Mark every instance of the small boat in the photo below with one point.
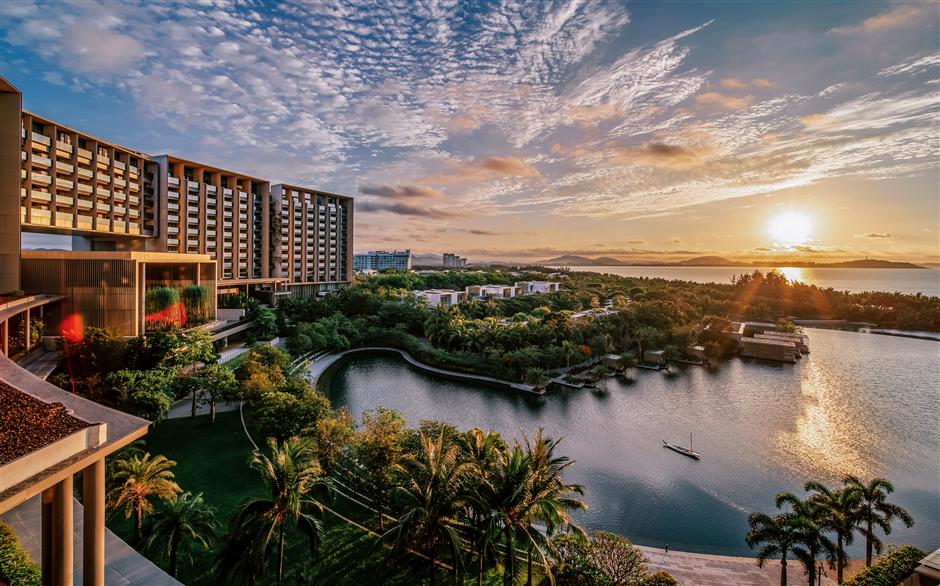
(683, 450)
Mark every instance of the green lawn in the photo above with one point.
(211, 458)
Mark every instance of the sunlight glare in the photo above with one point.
(791, 229)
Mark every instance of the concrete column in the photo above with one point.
(62, 534)
(5, 338)
(47, 553)
(26, 323)
(93, 524)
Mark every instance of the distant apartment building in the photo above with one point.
(262, 239)
(380, 260)
(454, 261)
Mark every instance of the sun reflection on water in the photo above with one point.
(825, 439)
(792, 274)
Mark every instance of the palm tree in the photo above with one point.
(186, 518)
(434, 485)
(137, 478)
(875, 510)
(814, 543)
(780, 534)
(528, 488)
(839, 513)
(570, 350)
(482, 449)
(292, 474)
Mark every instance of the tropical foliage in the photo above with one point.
(135, 481)
(825, 523)
(15, 565)
(891, 569)
(182, 524)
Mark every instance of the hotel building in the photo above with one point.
(227, 230)
(379, 260)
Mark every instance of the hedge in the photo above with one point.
(16, 567)
(891, 569)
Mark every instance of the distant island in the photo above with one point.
(717, 261)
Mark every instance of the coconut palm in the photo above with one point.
(135, 480)
(815, 543)
(185, 520)
(292, 475)
(482, 449)
(839, 513)
(876, 511)
(434, 484)
(528, 488)
(779, 535)
(570, 350)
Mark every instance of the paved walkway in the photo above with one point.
(41, 362)
(123, 565)
(320, 365)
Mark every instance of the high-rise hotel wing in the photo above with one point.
(261, 238)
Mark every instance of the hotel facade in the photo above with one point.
(233, 232)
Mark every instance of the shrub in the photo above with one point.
(891, 569)
(659, 579)
(15, 566)
(164, 308)
(196, 300)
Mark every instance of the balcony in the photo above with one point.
(40, 196)
(41, 179)
(64, 200)
(174, 242)
(133, 186)
(134, 212)
(133, 170)
(171, 180)
(102, 224)
(210, 188)
(120, 210)
(173, 194)
(102, 207)
(61, 167)
(119, 165)
(133, 200)
(41, 139)
(210, 201)
(120, 226)
(191, 198)
(172, 206)
(102, 192)
(63, 149)
(133, 228)
(172, 230)
(192, 184)
(119, 182)
(103, 178)
(84, 222)
(63, 219)
(85, 204)
(40, 217)
(85, 173)
(64, 184)
(41, 162)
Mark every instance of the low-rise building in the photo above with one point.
(654, 357)
(801, 340)
(592, 313)
(538, 287)
(769, 349)
(491, 291)
(441, 297)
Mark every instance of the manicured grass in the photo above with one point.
(211, 458)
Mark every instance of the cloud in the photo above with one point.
(461, 124)
(488, 168)
(733, 83)
(876, 235)
(575, 151)
(401, 191)
(53, 77)
(723, 101)
(405, 209)
(899, 16)
(659, 155)
(762, 82)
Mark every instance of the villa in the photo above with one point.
(444, 297)
(448, 297)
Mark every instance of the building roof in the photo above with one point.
(129, 150)
(156, 257)
(28, 424)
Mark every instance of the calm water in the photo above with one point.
(926, 281)
(860, 403)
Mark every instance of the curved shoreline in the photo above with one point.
(323, 365)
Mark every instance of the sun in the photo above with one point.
(791, 229)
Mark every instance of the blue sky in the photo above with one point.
(525, 130)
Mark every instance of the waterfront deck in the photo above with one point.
(321, 365)
(702, 569)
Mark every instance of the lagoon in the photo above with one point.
(909, 281)
(863, 404)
